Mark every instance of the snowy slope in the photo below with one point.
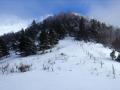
(72, 65)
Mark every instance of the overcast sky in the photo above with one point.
(15, 14)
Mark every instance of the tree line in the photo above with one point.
(43, 35)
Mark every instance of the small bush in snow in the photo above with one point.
(112, 54)
(62, 54)
(118, 58)
(7, 68)
(24, 68)
(49, 65)
(50, 50)
(4, 68)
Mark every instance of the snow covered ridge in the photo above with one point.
(71, 65)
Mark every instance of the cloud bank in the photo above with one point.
(108, 12)
(17, 15)
(12, 24)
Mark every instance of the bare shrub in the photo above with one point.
(62, 54)
(24, 68)
(4, 68)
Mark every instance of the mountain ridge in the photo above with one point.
(57, 27)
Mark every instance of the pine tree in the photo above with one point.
(15, 47)
(44, 40)
(53, 38)
(94, 30)
(112, 54)
(116, 44)
(32, 30)
(26, 46)
(81, 34)
(4, 51)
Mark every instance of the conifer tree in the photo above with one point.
(94, 30)
(44, 40)
(81, 35)
(116, 44)
(15, 47)
(4, 51)
(26, 46)
(53, 38)
(32, 30)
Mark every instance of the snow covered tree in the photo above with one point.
(44, 40)
(112, 54)
(53, 38)
(82, 34)
(26, 46)
(116, 44)
(15, 47)
(32, 30)
(94, 29)
(4, 51)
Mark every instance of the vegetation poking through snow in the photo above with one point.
(9, 68)
(112, 54)
(24, 68)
